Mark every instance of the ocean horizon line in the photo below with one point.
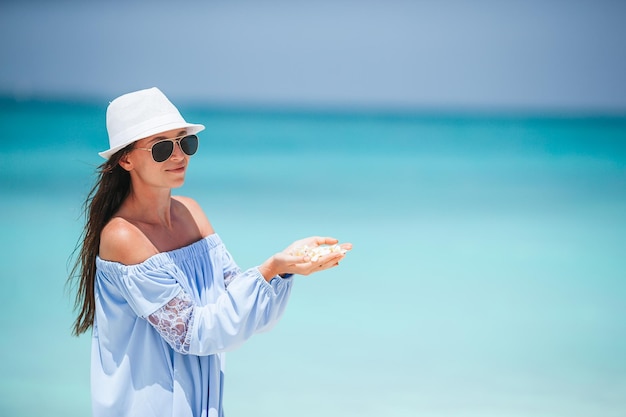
(343, 110)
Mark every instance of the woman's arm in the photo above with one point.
(250, 305)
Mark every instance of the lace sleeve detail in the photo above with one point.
(172, 321)
(230, 268)
(230, 275)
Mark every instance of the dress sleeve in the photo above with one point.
(231, 270)
(145, 287)
(246, 305)
(250, 306)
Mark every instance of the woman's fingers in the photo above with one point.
(346, 246)
(321, 264)
(326, 240)
(314, 241)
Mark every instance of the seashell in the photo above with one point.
(317, 252)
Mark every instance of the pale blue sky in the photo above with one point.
(507, 54)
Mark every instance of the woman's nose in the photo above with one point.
(178, 151)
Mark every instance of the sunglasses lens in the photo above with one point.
(189, 144)
(161, 151)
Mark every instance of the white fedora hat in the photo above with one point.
(141, 114)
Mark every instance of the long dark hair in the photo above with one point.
(103, 201)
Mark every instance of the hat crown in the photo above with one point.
(141, 114)
(131, 113)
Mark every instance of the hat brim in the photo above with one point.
(189, 127)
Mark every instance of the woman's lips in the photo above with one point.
(177, 170)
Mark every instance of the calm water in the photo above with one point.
(488, 275)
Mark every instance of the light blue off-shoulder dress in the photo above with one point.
(162, 327)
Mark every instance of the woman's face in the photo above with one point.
(144, 169)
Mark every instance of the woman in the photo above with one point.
(155, 282)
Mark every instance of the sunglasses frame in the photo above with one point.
(176, 141)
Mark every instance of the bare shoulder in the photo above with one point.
(197, 213)
(123, 242)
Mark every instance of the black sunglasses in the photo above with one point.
(163, 149)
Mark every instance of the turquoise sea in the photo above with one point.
(488, 276)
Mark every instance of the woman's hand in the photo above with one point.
(286, 262)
